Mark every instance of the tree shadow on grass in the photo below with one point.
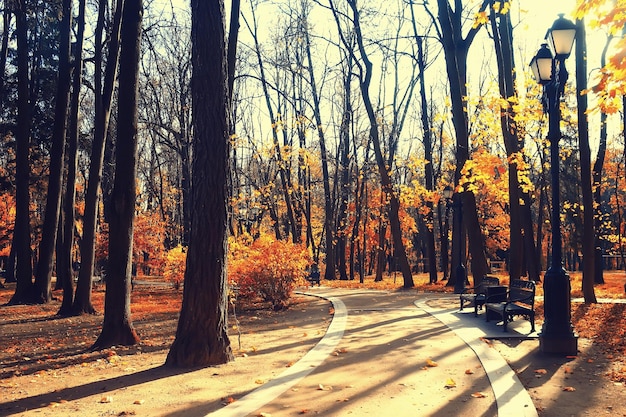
(89, 389)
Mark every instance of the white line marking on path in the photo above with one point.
(274, 388)
(512, 398)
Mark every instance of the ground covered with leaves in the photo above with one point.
(46, 365)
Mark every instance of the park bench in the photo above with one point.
(520, 301)
(477, 295)
(314, 275)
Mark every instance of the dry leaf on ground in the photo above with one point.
(450, 383)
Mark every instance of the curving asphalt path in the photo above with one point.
(374, 360)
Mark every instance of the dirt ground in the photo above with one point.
(45, 368)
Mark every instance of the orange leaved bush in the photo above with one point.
(267, 269)
(174, 268)
(7, 220)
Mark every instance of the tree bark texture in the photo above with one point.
(43, 275)
(69, 206)
(589, 232)
(21, 238)
(103, 98)
(201, 336)
(117, 328)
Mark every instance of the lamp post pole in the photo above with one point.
(557, 333)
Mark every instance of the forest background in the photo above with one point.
(347, 122)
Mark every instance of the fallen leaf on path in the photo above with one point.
(138, 402)
(228, 400)
(105, 400)
(431, 363)
(478, 395)
(541, 371)
(259, 382)
(569, 389)
(468, 372)
(321, 387)
(450, 383)
(303, 411)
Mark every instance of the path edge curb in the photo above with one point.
(303, 367)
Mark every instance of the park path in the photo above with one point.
(393, 354)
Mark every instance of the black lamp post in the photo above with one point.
(460, 271)
(557, 334)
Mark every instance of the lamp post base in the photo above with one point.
(557, 334)
(563, 345)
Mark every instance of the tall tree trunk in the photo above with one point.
(21, 235)
(201, 336)
(59, 249)
(444, 227)
(428, 155)
(589, 234)
(329, 230)
(356, 236)
(117, 328)
(231, 58)
(103, 99)
(456, 48)
(72, 159)
(4, 45)
(598, 167)
(383, 169)
(43, 274)
(521, 238)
